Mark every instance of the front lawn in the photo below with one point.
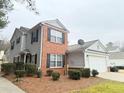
(104, 87)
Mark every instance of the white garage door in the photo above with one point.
(98, 63)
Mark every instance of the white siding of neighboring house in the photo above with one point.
(96, 61)
(116, 62)
(97, 46)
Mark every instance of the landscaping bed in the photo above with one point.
(47, 85)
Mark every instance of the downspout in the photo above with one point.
(83, 58)
(41, 46)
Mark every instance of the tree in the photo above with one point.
(4, 44)
(109, 45)
(7, 5)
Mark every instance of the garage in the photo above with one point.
(98, 63)
(93, 55)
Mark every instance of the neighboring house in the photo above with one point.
(44, 45)
(113, 49)
(1, 58)
(90, 54)
(116, 59)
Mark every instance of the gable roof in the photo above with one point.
(116, 55)
(84, 46)
(21, 29)
(55, 23)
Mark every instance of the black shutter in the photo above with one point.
(63, 60)
(48, 61)
(49, 34)
(63, 38)
(37, 35)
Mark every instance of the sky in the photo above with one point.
(85, 19)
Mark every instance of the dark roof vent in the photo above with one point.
(80, 42)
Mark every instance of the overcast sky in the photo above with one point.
(85, 19)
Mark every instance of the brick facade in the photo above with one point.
(51, 48)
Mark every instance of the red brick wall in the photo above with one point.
(51, 48)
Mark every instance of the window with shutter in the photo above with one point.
(55, 61)
(55, 36)
(34, 36)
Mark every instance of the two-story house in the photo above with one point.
(44, 44)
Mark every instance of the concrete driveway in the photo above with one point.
(112, 76)
(8, 87)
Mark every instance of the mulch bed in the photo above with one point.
(47, 85)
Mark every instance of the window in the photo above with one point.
(18, 40)
(59, 60)
(56, 36)
(12, 45)
(33, 59)
(52, 60)
(56, 61)
(34, 36)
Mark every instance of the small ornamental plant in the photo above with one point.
(74, 74)
(39, 73)
(55, 76)
(49, 72)
(94, 72)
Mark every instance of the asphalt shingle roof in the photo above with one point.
(84, 46)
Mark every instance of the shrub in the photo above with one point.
(19, 65)
(55, 75)
(20, 73)
(86, 72)
(39, 74)
(49, 72)
(30, 69)
(114, 69)
(74, 74)
(120, 67)
(94, 72)
(8, 68)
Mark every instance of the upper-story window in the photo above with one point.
(34, 36)
(12, 45)
(18, 40)
(55, 36)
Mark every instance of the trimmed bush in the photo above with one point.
(55, 76)
(20, 65)
(74, 74)
(39, 74)
(120, 67)
(86, 72)
(30, 69)
(20, 73)
(8, 68)
(94, 72)
(113, 69)
(49, 72)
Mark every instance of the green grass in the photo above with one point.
(104, 87)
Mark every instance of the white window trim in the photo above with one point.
(56, 37)
(56, 62)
